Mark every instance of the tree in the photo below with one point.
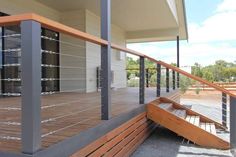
(185, 82)
(196, 70)
(221, 71)
(132, 67)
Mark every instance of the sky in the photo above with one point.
(212, 35)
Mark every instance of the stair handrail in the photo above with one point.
(56, 26)
(196, 78)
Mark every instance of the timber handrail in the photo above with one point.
(56, 26)
(120, 48)
(50, 24)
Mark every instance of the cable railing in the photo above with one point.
(52, 96)
(208, 103)
(223, 93)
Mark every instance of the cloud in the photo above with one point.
(203, 53)
(227, 5)
(219, 27)
(211, 40)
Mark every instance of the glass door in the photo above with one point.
(50, 61)
(11, 59)
(10, 44)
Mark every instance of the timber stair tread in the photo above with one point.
(195, 120)
(166, 106)
(179, 113)
(209, 127)
(186, 123)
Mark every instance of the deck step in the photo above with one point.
(186, 123)
(165, 106)
(193, 119)
(209, 127)
(179, 113)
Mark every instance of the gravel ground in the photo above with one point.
(164, 143)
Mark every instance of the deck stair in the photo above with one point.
(186, 123)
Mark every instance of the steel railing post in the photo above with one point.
(142, 80)
(167, 80)
(178, 62)
(224, 109)
(173, 79)
(158, 80)
(147, 77)
(31, 86)
(233, 123)
(106, 60)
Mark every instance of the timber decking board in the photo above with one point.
(106, 147)
(96, 144)
(114, 142)
(66, 114)
(138, 138)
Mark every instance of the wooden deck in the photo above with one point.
(64, 115)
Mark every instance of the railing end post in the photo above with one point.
(31, 86)
(233, 122)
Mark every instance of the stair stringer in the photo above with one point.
(184, 128)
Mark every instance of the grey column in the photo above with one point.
(141, 80)
(178, 64)
(106, 60)
(31, 86)
(158, 80)
(167, 80)
(233, 122)
(224, 109)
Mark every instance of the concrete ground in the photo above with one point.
(164, 143)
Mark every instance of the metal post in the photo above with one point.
(173, 79)
(178, 65)
(141, 80)
(167, 80)
(233, 123)
(224, 109)
(31, 86)
(106, 60)
(158, 80)
(147, 77)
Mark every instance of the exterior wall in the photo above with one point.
(73, 79)
(93, 54)
(13, 7)
(87, 55)
(28, 6)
